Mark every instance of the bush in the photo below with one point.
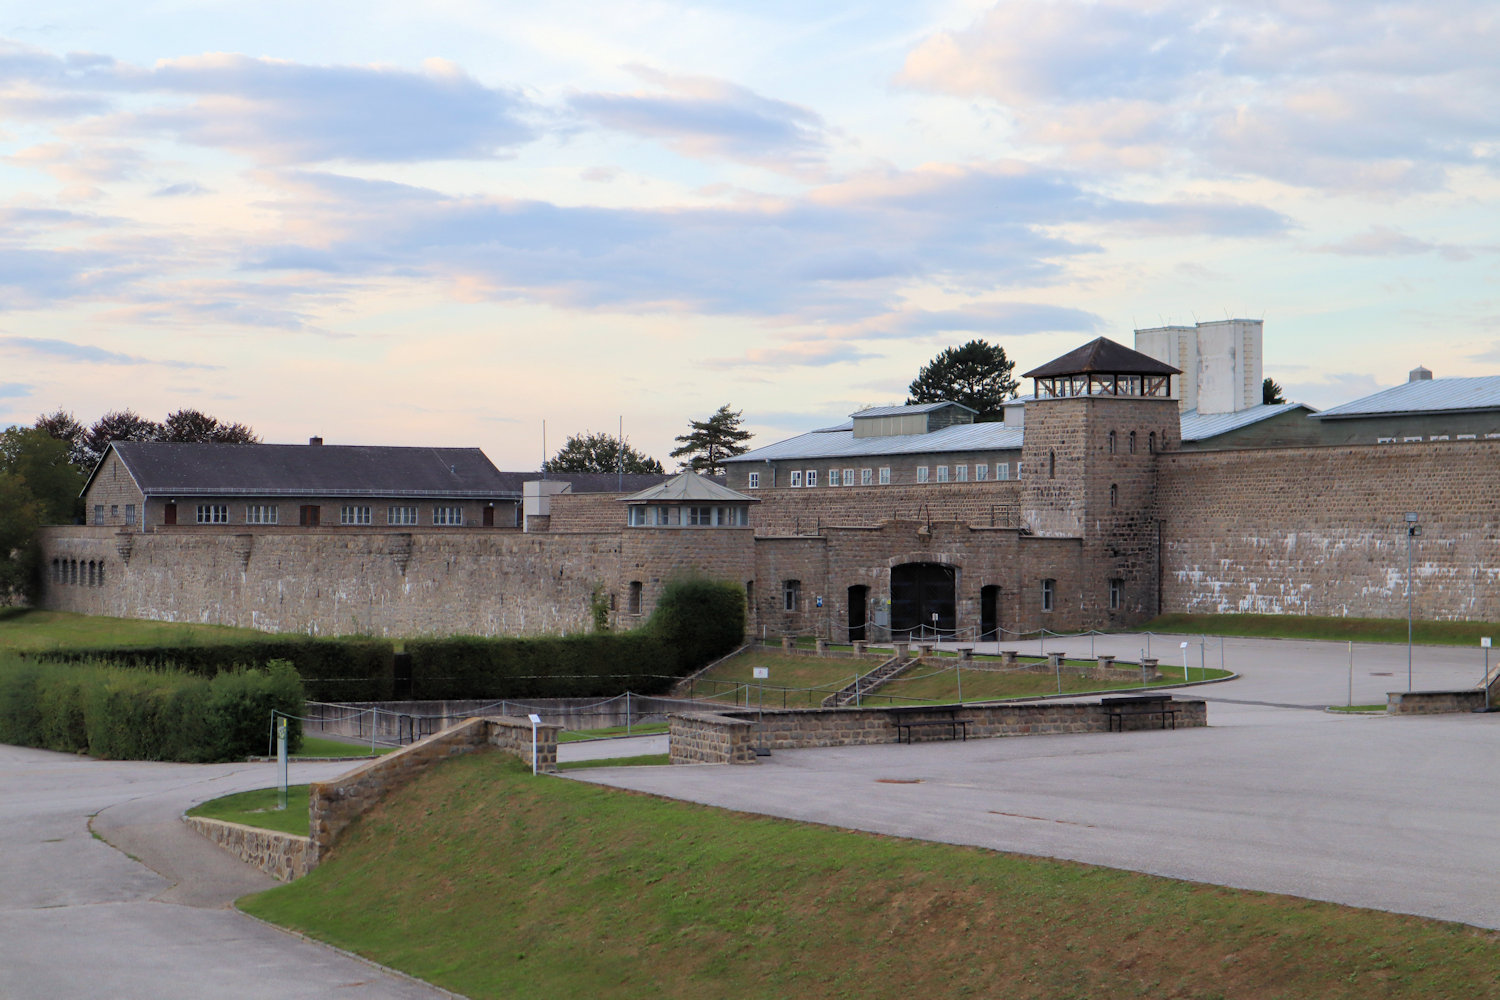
(701, 619)
(127, 713)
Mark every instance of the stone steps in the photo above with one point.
(869, 682)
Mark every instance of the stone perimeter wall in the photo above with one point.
(731, 737)
(1320, 531)
(283, 856)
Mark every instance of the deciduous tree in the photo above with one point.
(589, 452)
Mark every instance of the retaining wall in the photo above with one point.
(283, 856)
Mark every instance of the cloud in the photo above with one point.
(88, 354)
(808, 354)
(15, 390)
(1332, 389)
(704, 118)
(180, 190)
(1298, 92)
(1009, 319)
(1383, 241)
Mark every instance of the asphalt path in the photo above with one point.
(148, 918)
(1276, 794)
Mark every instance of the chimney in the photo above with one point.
(318, 440)
(1419, 374)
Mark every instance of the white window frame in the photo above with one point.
(812, 478)
(401, 514)
(262, 513)
(448, 515)
(213, 513)
(981, 472)
(833, 477)
(942, 473)
(354, 513)
(961, 473)
(796, 478)
(752, 481)
(848, 477)
(866, 477)
(885, 475)
(921, 473)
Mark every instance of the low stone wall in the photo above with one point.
(708, 738)
(1434, 702)
(731, 737)
(396, 721)
(336, 804)
(282, 856)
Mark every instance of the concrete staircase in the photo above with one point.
(863, 685)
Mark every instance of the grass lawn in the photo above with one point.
(24, 628)
(317, 746)
(1308, 627)
(1359, 709)
(573, 890)
(640, 760)
(258, 808)
(639, 729)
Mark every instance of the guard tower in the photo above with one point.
(1099, 417)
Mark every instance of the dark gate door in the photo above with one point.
(859, 597)
(989, 614)
(169, 513)
(489, 516)
(919, 591)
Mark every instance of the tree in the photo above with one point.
(116, 425)
(38, 485)
(588, 452)
(194, 425)
(1270, 392)
(978, 375)
(65, 427)
(713, 440)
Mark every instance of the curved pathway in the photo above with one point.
(152, 920)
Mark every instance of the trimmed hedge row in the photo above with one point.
(331, 669)
(124, 713)
(695, 621)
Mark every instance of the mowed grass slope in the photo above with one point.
(487, 881)
(29, 629)
(1426, 633)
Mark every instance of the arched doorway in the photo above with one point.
(989, 614)
(859, 599)
(920, 591)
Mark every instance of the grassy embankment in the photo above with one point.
(258, 808)
(804, 681)
(1336, 629)
(27, 629)
(573, 890)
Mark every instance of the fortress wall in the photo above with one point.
(1320, 531)
(339, 582)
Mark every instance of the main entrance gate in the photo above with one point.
(922, 600)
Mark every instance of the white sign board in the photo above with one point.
(536, 720)
(1485, 642)
(761, 673)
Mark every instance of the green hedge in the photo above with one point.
(695, 622)
(126, 713)
(331, 669)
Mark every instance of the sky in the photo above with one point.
(496, 224)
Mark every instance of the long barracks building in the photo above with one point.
(1100, 501)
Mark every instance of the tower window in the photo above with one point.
(1049, 590)
(1114, 494)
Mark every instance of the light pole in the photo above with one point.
(1413, 529)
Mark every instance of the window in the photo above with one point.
(752, 482)
(352, 514)
(1018, 469)
(101, 574)
(921, 473)
(942, 473)
(1116, 594)
(738, 517)
(634, 605)
(866, 477)
(309, 515)
(1132, 442)
(848, 477)
(1151, 443)
(130, 513)
(701, 516)
(791, 594)
(1051, 465)
(1002, 470)
(1049, 588)
(260, 513)
(812, 477)
(1114, 494)
(833, 477)
(796, 477)
(961, 473)
(981, 472)
(213, 513)
(1111, 442)
(114, 509)
(447, 515)
(98, 513)
(885, 476)
(401, 515)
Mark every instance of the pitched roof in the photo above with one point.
(689, 487)
(840, 443)
(1202, 426)
(1104, 357)
(587, 482)
(1479, 392)
(908, 409)
(191, 469)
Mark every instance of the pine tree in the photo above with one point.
(711, 441)
(978, 375)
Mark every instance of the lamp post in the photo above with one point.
(1413, 529)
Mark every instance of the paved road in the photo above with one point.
(80, 919)
(1392, 813)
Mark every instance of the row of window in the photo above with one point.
(799, 478)
(114, 513)
(1130, 442)
(649, 515)
(791, 594)
(353, 514)
(74, 572)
